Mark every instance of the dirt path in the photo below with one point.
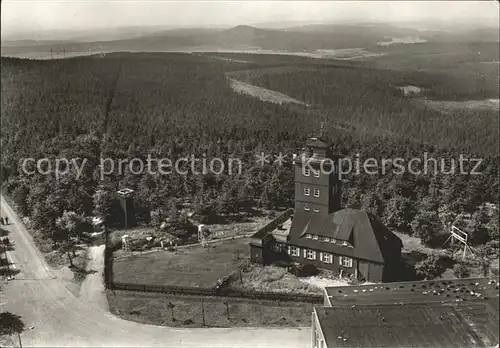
(60, 319)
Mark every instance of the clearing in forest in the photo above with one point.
(262, 93)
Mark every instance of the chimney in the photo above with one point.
(127, 204)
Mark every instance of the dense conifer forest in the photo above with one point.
(126, 106)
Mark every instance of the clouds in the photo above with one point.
(43, 15)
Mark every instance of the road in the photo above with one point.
(41, 297)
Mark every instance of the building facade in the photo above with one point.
(319, 232)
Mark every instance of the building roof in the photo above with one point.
(414, 292)
(368, 238)
(447, 313)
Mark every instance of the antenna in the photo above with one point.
(51, 53)
(462, 237)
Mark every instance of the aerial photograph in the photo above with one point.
(249, 174)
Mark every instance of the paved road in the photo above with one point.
(40, 295)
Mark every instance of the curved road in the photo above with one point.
(40, 296)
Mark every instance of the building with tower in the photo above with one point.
(319, 231)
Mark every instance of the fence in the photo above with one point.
(225, 292)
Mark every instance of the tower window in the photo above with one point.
(307, 171)
(316, 192)
(307, 191)
(316, 173)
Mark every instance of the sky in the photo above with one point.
(38, 16)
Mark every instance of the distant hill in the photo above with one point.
(296, 39)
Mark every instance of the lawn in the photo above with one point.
(189, 266)
(151, 308)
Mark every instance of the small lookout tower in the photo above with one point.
(127, 204)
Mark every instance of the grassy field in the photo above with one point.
(151, 308)
(194, 266)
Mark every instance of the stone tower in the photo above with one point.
(317, 183)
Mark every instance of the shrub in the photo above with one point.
(114, 242)
(431, 267)
(306, 270)
(460, 270)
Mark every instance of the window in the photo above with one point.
(306, 208)
(316, 192)
(327, 258)
(333, 241)
(326, 239)
(293, 250)
(344, 243)
(311, 254)
(315, 237)
(307, 171)
(345, 261)
(307, 191)
(278, 247)
(308, 236)
(316, 210)
(316, 173)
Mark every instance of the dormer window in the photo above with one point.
(308, 236)
(326, 239)
(344, 243)
(333, 241)
(315, 237)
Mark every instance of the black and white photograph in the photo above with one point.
(249, 174)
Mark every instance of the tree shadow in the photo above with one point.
(80, 273)
(4, 232)
(404, 269)
(10, 324)
(9, 272)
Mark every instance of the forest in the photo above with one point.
(171, 105)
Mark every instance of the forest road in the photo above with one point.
(54, 316)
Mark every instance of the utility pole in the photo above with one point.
(227, 308)
(203, 311)
(19, 338)
(171, 306)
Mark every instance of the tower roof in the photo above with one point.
(318, 142)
